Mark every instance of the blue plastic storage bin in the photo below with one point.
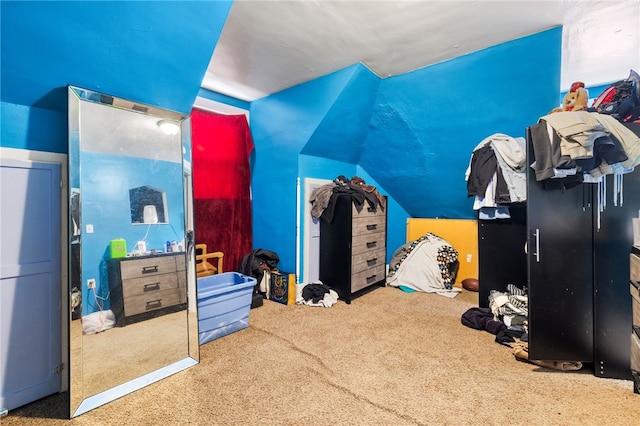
(224, 302)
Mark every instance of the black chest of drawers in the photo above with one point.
(353, 248)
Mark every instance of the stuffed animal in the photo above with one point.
(575, 100)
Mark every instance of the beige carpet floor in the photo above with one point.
(389, 358)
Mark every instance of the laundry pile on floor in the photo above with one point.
(506, 318)
(316, 294)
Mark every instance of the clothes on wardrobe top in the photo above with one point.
(496, 175)
(594, 145)
(578, 131)
(589, 142)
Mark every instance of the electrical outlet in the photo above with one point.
(91, 283)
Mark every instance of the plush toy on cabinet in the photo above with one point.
(575, 100)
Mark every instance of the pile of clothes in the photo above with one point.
(506, 318)
(323, 199)
(317, 294)
(496, 175)
(582, 146)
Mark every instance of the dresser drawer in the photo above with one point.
(362, 243)
(368, 225)
(147, 267)
(151, 302)
(360, 280)
(635, 302)
(635, 350)
(366, 211)
(181, 262)
(634, 266)
(367, 260)
(149, 285)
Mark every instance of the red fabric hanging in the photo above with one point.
(221, 146)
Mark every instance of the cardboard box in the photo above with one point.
(282, 288)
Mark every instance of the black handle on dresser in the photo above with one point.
(371, 227)
(154, 304)
(149, 269)
(151, 287)
(372, 261)
(371, 277)
(372, 244)
(371, 209)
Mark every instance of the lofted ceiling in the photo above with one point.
(268, 46)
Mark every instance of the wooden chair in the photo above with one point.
(208, 263)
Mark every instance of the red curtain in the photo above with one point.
(221, 146)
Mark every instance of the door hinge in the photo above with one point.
(59, 368)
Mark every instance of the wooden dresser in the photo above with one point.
(635, 326)
(147, 286)
(353, 248)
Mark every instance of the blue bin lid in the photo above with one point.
(222, 283)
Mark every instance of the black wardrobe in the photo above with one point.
(574, 263)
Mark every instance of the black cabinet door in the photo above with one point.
(613, 238)
(335, 248)
(560, 268)
(501, 253)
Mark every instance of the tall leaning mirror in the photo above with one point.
(132, 293)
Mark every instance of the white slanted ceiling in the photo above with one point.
(268, 46)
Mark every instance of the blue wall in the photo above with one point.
(316, 130)
(435, 117)
(153, 52)
(34, 128)
(412, 135)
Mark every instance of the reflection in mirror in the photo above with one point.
(132, 283)
(148, 205)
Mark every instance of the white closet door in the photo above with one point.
(311, 270)
(30, 288)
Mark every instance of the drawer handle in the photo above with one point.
(372, 261)
(154, 304)
(371, 209)
(372, 244)
(151, 287)
(371, 277)
(372, 227)
(150, 269)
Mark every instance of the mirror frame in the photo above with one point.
(78, 402)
